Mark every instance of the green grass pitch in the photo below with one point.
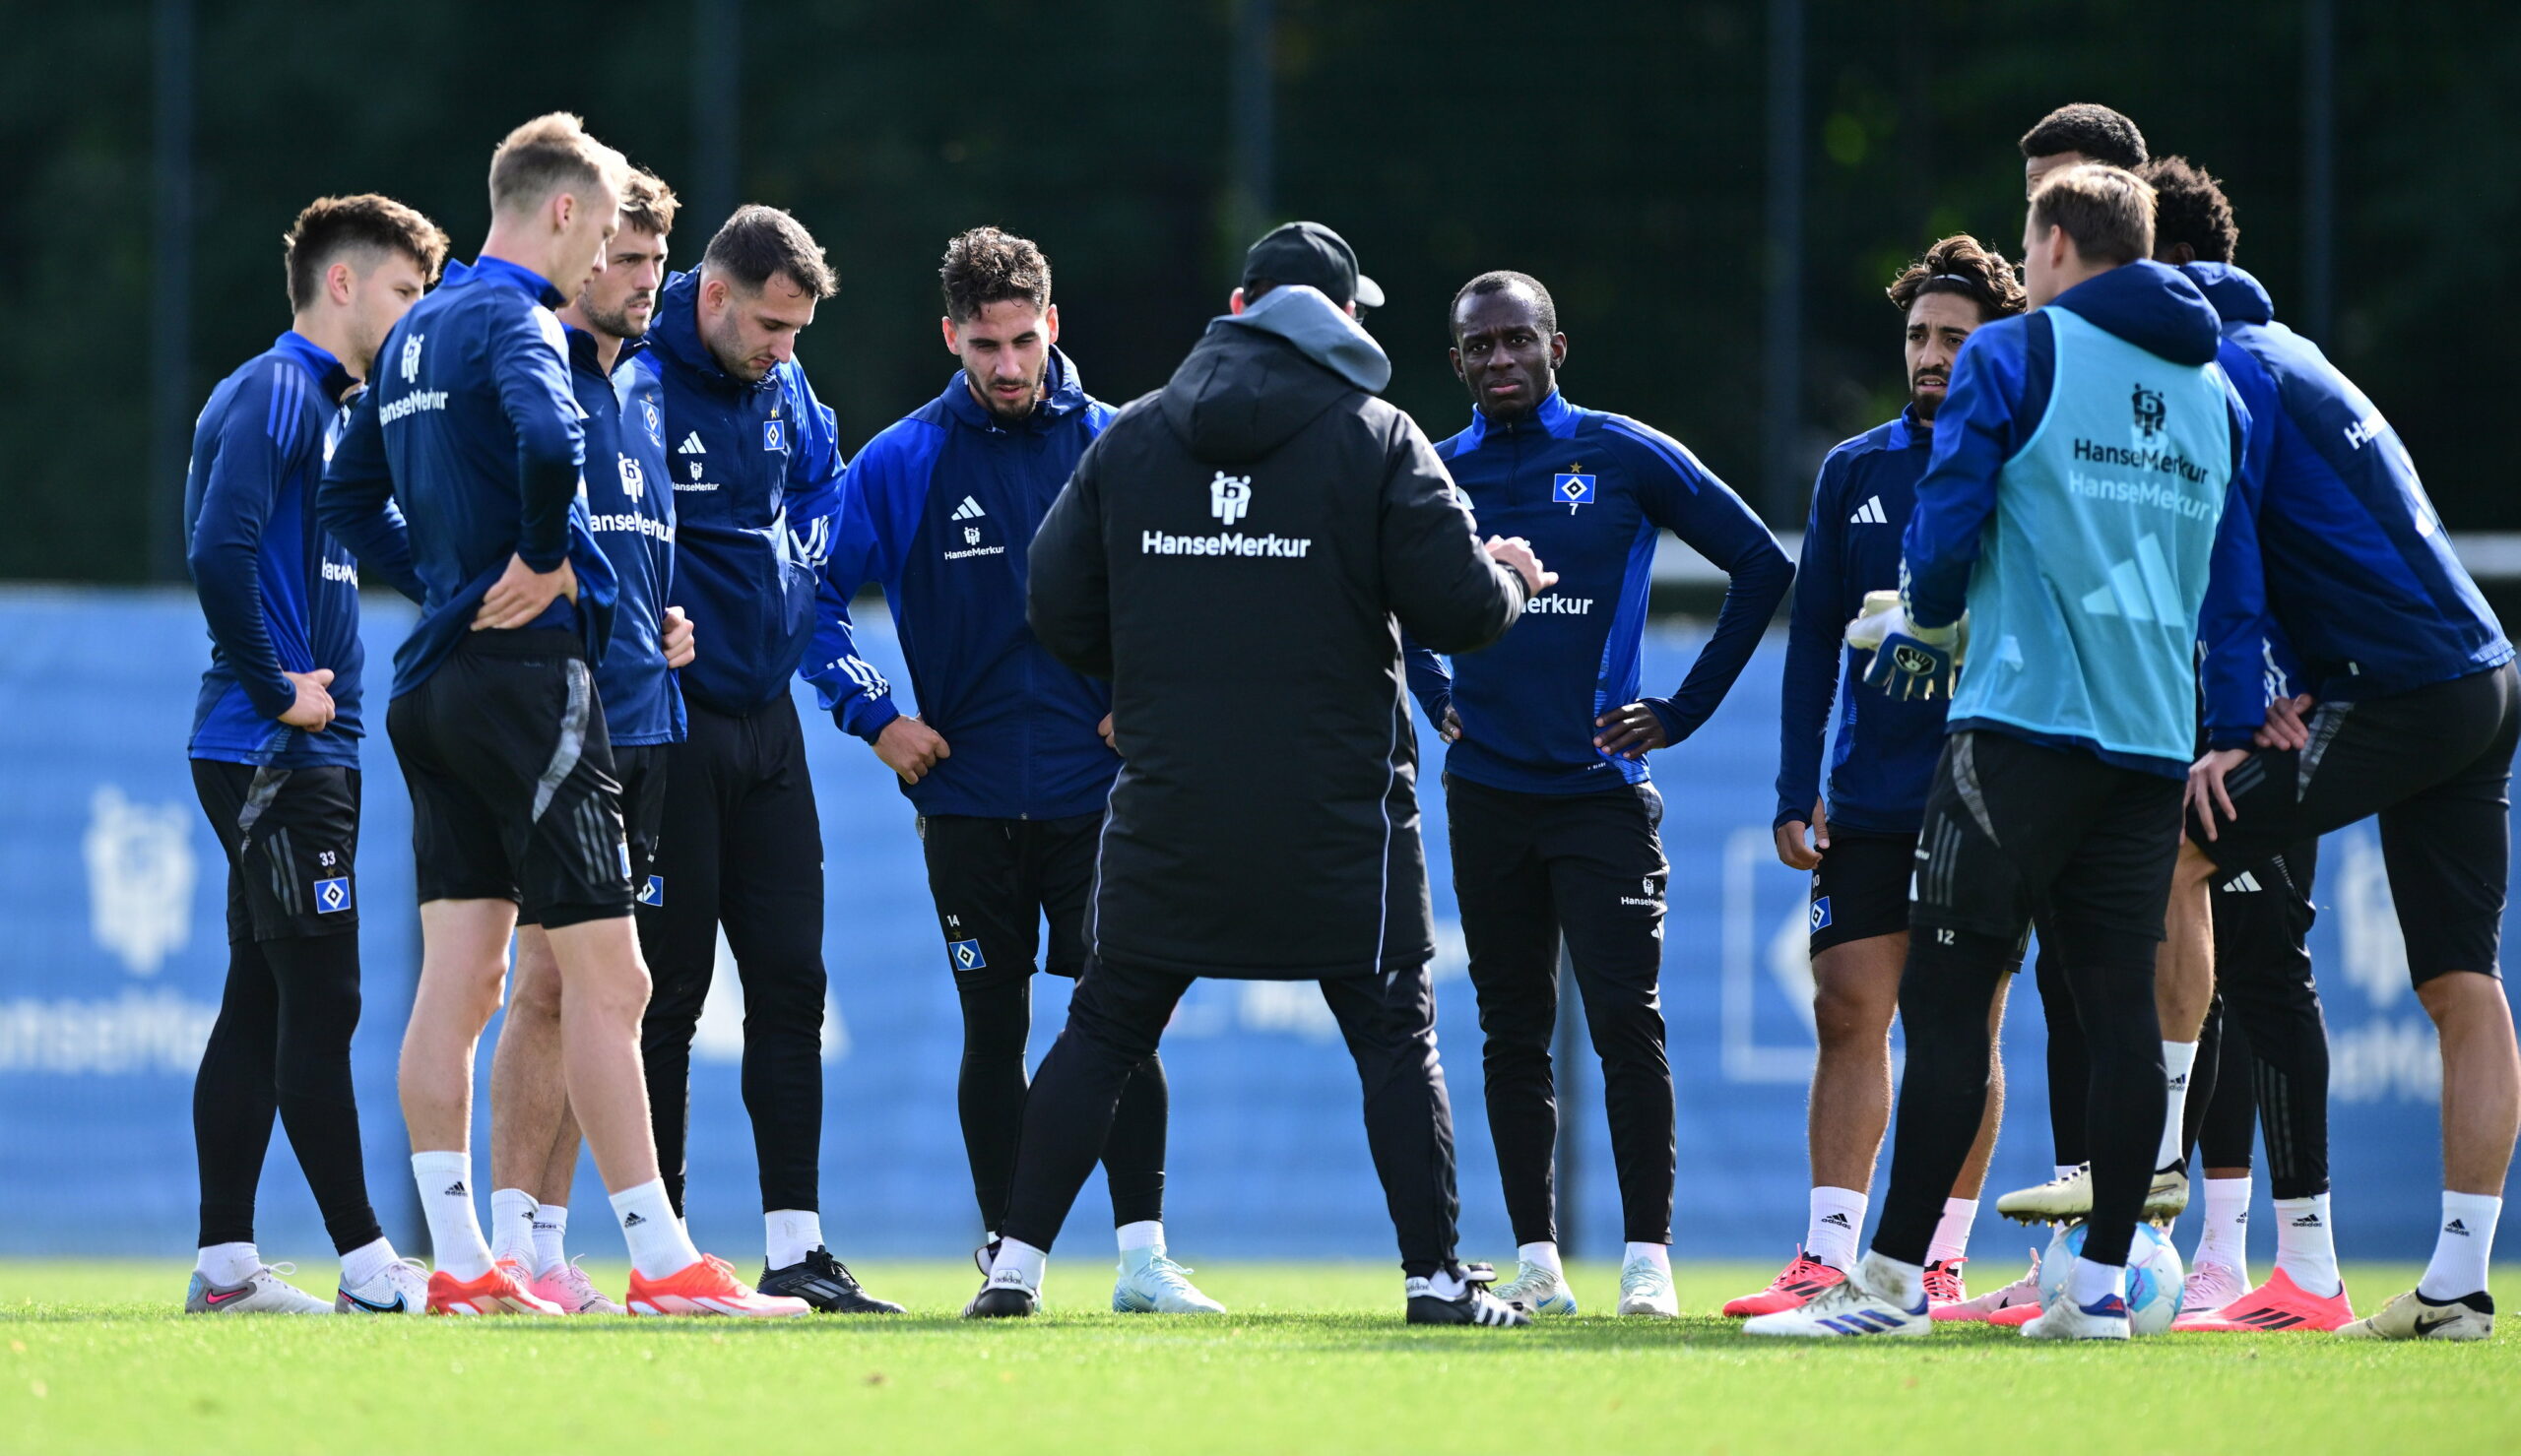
(93, 1358)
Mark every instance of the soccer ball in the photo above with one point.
(2154, 1278)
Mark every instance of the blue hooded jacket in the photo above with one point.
(631, 514)
(2340, 552)
(1884, 758)
(279, 595)
(470, 425)
(1592, 491)
(941, 509)
(2001, 385)
(756, 478)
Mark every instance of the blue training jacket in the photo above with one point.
(756, 478)
(1592, 491)
(469, 423)
(277, 593)
(1884, 758)
(1999, 404)
(941, 509)
(631, 514)
(2340, 552)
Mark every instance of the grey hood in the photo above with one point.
(1257, 377)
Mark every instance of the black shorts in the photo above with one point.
(2437, 765)
(996, 881)
(1861, 888)
(642, 771)
(292, 838)
(2016, 832)
(2263, 915)
(513, 796)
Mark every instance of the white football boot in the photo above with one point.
(1849, 1308)
(2210, 1287)
(2067, 1199)
(262, 1292)
(1645, 1288)
(400, 1288)
(1537, 1288)
(1159, 1286)
(2412, 1316)
(2105, 1318)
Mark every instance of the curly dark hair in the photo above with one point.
(987, 266)
(1961, 264)
(2189, 207)
(2098, 133)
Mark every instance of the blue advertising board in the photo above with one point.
(113, 955)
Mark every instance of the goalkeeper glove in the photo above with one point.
(1908, 660)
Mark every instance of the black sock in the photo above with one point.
(233, 1097)
(989, 1092)
(319, 1005)
(2111, 974)
(1133, 1153)
(2068, 1071)
(1945, 990)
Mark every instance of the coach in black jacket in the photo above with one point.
(1239, 554)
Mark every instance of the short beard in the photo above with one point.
(1925, 409)
(989, 401)
(617, 323)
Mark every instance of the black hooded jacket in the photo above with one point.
(1239, 552)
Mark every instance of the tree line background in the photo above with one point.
(1618, 150)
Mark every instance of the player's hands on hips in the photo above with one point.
(1631, 731)
(1517, 552)
(1790, 848)
(313, 710)
(679, 648)
(911, 749)
(1914, 662)
(2284, 727)
(2206, 792)
(521, 593)
(1105, 728)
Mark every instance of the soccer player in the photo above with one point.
(1553, 815)
(473, 429)
(274, 758)
(2412, 716)
(1859, 845)
(534, 1139)
(1009, 761)
(1239, 555)
(757, 477)
(2077, 133)
(2079, 466)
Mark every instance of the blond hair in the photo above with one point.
(2108, 211)
(547, 154)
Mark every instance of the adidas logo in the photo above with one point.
(692, 445)
(2307, 1220)
(2245, 883)
(1869, 514)
(632, 1222)
(2456, 1227)
(1840, 1220)
(456, 1190)
(969, 510)
(2140, 591)
(2179, 1082)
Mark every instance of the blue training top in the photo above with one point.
(1884, 758)
(630, 511)
(1592, 491)
(942, 508)
(278, 593)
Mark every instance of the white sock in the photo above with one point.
(657, 1245)
(1140, 1241)
(2224, 1240)
(1657, 1254)
(1542, 1256)
(445, 1181)
(2087, 1283)
(551, 1230)
(1952, 1231)
(2179, 1059)
(2460, 1250)
(2065, 1170)
(1902, 1284)
(512, 1227)
(2306, 1248)
(792, 1234)
(1021, 1260)
(235, 1263)
(1837, 1216)
(365, 1262)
